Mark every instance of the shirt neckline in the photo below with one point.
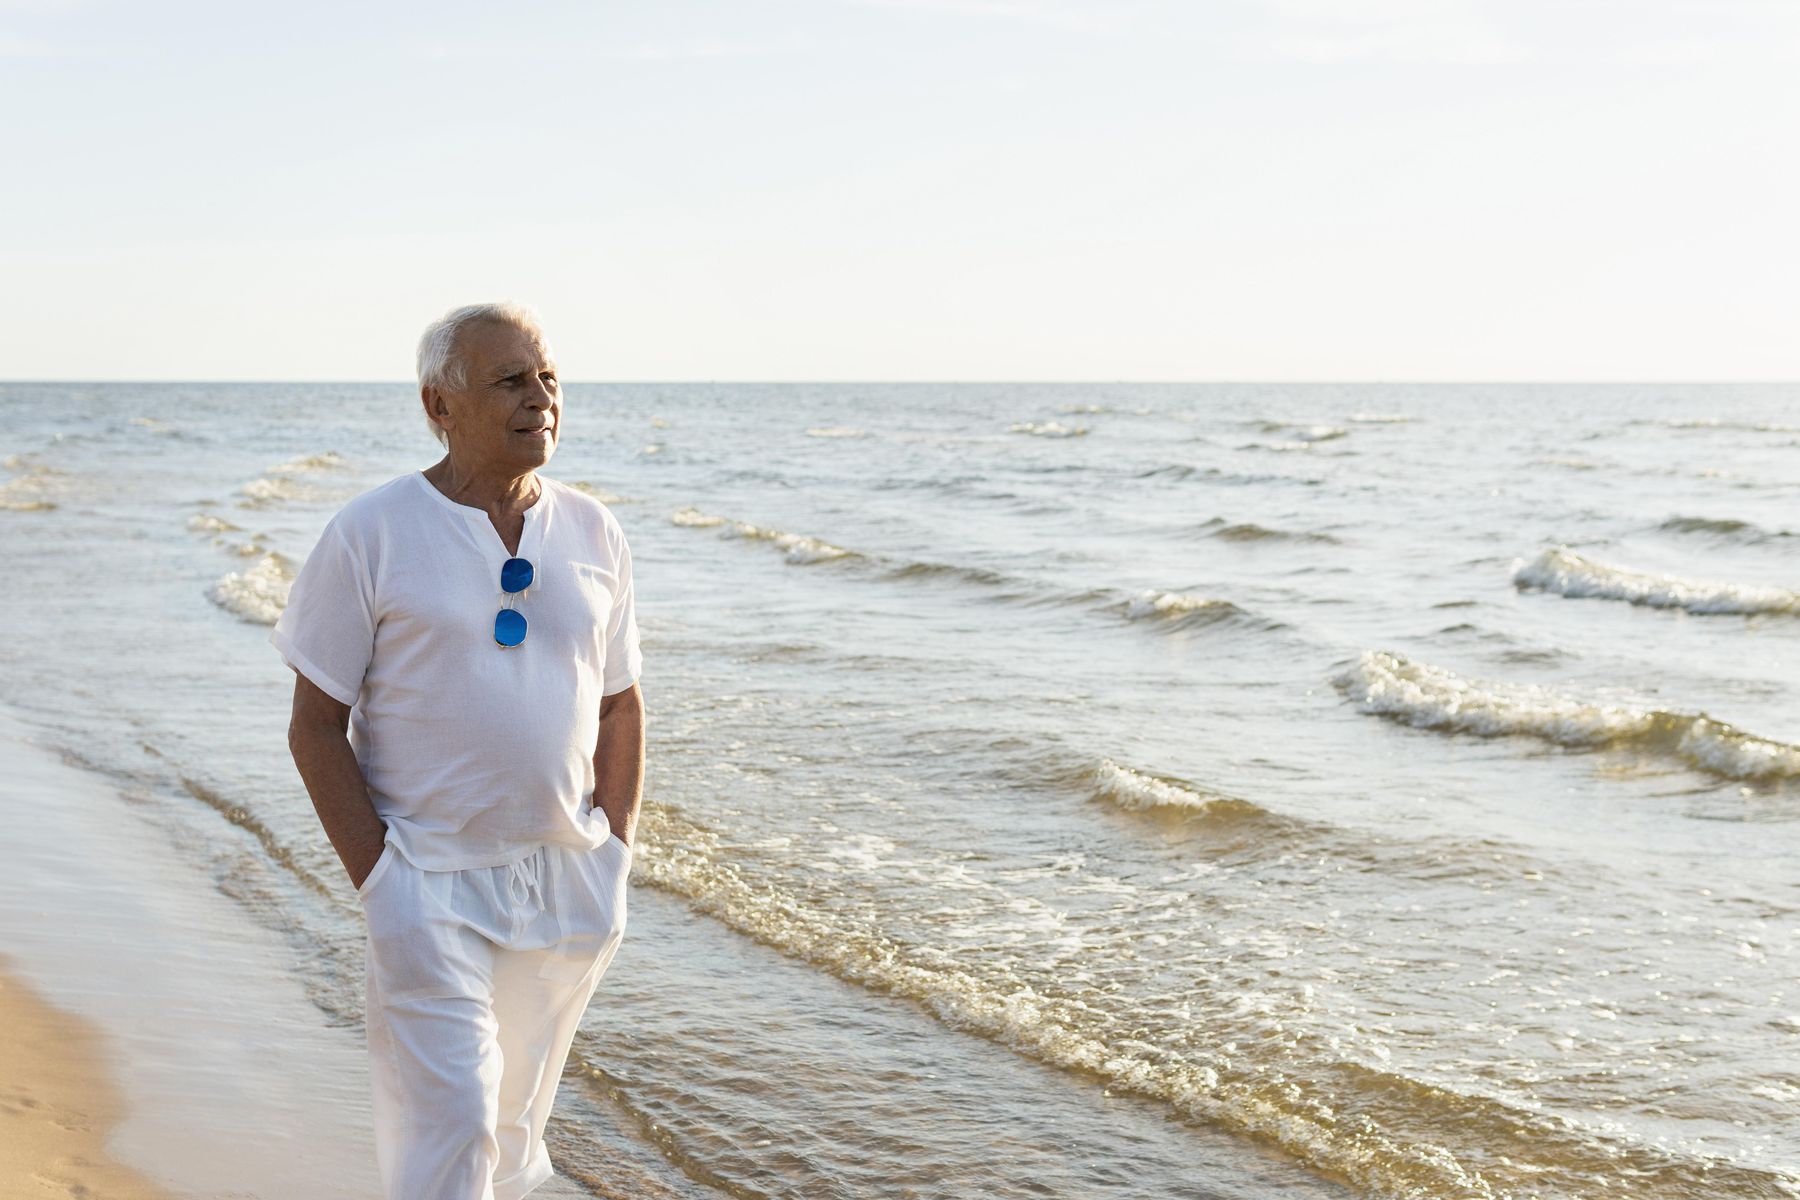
(469, 510)
(495, 548)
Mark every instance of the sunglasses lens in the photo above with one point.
(509, 627)
(515, 575)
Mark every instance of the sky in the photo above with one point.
(906, 189)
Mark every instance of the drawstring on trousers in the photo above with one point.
(522, 880)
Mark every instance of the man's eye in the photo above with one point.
(549, 376)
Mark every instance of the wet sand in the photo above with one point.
(58, 1104)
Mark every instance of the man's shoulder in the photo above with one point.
(367, 513)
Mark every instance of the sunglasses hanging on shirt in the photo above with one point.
(509, 622)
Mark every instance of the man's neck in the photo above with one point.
(500, 492)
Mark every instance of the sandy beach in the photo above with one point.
(58, 1104)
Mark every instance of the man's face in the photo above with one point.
(510, 415)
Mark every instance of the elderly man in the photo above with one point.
(468, 723)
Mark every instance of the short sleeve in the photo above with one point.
(624, 661)
(327, 630)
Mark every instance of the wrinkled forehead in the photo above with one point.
(490, 345)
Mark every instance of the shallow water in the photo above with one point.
(1140, 791)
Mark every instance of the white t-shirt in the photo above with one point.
(474, 755)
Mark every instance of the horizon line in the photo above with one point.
(1610, 380)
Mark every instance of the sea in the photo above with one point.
(1062, 790)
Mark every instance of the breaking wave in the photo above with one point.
(1180, 610)
(797, 548)
(29, 491)
(1380, 1130)
(258, 594)
(1170, 611)
(1137, 791)
(325, 460)
(600, 494)
(1428, 697)
(1306, 434)
(1567, 573)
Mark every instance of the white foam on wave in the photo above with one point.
(1137, 792)
(600, 494)
(1241, 1091)
(264, 492)
(835, 431)
(797, 548)
(693, 518)
(1717, 423)
(29, 491)
(258, 594)
(1430, 697)
(1175, 604)
(1563, 571)
(288, 480)
(323, 461)
(1367, 418)
(1047, 429)
(207, 523)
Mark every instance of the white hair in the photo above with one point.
(441, 366)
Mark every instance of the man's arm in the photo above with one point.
(318, 739)
(619, 760)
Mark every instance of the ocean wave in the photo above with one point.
(1367, 418)
(1178, 471)
(1136, 791)
(1047, 429)
(797, 548)
(325, 460)
(981, 576)
(207, 523)
(30, 490)
(835, 431)
(265, 492)
(1385, 1132)
(600, 494)
(1722, 527)
(1302, 433)
(1180, 610)
(1429, 697)
(1562, 571)
(258, 594)
(1170, 612)
(1185, 471)
(1249, 531)
(1718, 423)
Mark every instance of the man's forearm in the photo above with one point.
(340, 796)
(619, 762)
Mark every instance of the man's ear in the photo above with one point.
(433, 400)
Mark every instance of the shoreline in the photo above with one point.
(194, 1059)
(59, 1103)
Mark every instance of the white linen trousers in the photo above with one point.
(475, 982)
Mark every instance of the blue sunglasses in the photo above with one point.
(509, 623)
